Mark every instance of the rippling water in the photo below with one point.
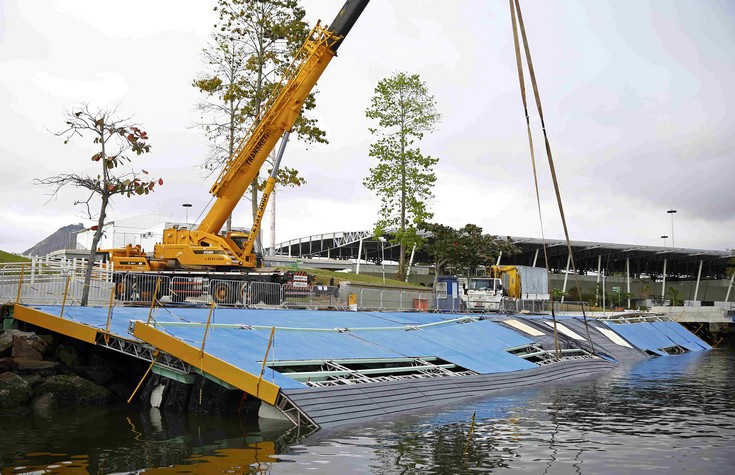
(673, 414)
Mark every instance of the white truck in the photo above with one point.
(481, 294)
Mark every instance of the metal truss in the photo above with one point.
(422, 370)
(142, 351)
(636, 318)
(293, 413)
(350, 237)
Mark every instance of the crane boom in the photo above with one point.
(203, 246)
(203, 249)
(281, 112)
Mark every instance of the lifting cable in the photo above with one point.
(516, 7)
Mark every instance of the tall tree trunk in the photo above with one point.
(231, 147)
(93, 250)
(402, 251)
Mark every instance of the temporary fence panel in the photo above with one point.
(264, 293)
(141, 288)
(193, 289)
(227, 292)
(388, 299)
(315, 297)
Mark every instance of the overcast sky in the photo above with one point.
(638, 99)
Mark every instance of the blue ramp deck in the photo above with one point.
(654, 336)
(240, 337)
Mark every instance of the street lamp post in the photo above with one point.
(672, 212)
(187, 206)
(664, 238)
(382, 254)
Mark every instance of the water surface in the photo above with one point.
(673, 414)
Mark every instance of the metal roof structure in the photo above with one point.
(611, 258)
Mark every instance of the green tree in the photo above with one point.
(403, 177)
(558, 294)
(113, 138)
(466, 248)
(440, 245)
(646, 291)
(675, 297)
(251, 46)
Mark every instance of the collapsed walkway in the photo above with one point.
(329, 367)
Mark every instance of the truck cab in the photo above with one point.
(484, 294)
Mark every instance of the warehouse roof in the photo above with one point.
(588, 255)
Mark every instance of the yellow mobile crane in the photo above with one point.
(185, 252)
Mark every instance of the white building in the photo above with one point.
(145, 230)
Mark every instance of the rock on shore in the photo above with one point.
(41, 373)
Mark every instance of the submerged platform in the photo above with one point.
(331, 367)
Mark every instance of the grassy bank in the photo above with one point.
(325, 276)
(8, 257)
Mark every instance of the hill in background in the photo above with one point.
(63, 238)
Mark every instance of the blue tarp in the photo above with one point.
(683, 336)
(476, 345)
(656, 335)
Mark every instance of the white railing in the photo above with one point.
(53, 283)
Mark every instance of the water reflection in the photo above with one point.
(95, 441)
(673, 414)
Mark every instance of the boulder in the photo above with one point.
(45, 405)
(98, 374)
(25, 366)
(69, 356)
(72, 390)
(6, 364)
(15, 392)
(33, 379)
(23, 349)
(6, 341)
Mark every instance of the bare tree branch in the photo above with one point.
(114, 140)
